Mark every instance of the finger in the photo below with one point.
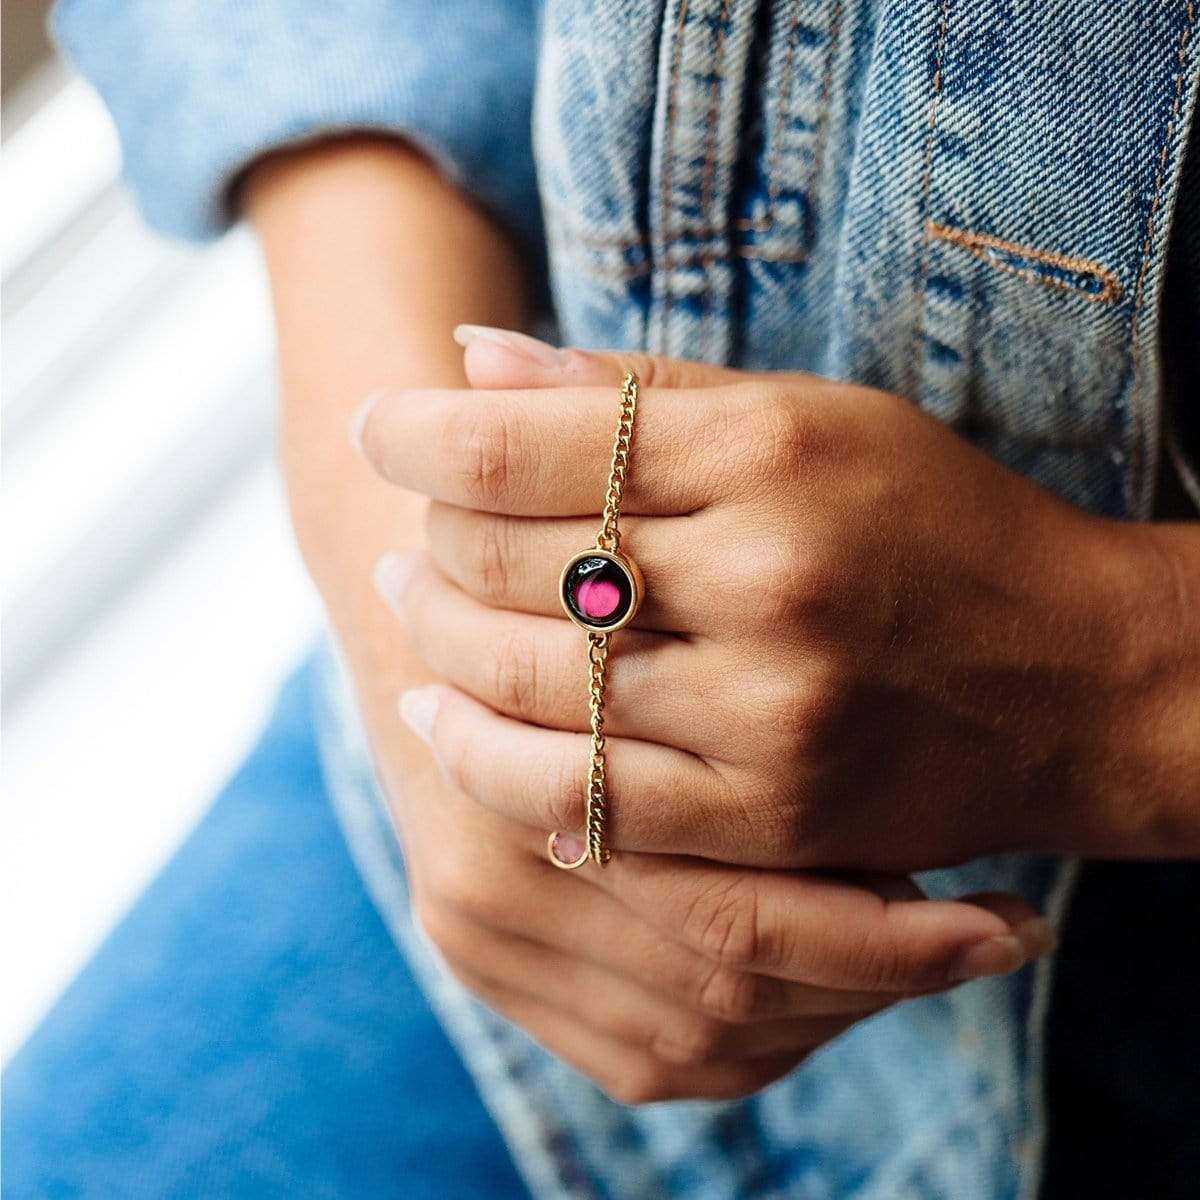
(660, 963)
(547, 453)
(533, 668)
(626, 1072)
(825, 931)
(538, 776)
(503, 358)
(612, 1003)
(515, 562)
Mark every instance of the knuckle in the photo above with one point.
(728, 995)
(489, 570)
(723, 920)
(651, 372)
(689, 1041)
(566, 793)
(877, 962)
(515, 674)
(460, 890)
(788, 427)
(777, 581)
(484, 442)
(435, 922)
(447, 931)
(644, 1080)
(802, 717)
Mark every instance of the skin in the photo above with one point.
(666, 975)
(847, 657)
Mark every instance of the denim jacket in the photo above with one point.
(967, 202)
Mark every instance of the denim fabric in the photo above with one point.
(968, 202)
(201, 88)
(249, 1031)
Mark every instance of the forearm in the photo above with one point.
(373, 259)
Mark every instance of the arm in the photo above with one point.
(373, 258)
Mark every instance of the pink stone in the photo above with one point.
(598, 598)
(567, 848)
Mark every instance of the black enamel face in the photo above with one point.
(598, 592)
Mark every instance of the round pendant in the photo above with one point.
(601, 591)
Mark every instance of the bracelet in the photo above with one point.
(601, 590)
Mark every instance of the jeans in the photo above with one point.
(250, 1029)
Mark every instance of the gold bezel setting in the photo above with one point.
(626, 566)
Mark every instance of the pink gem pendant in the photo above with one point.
(601, 591)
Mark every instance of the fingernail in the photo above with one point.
(418, 708)
(358, 421)
(993, 956)
(392, 574)
(517, 343)
(1037, 937)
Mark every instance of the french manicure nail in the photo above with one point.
(418, 708)
(993, 956)
(391, 576)
(358, 421)
(522, 344)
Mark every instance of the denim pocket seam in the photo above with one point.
(765, 223)
(666, 172)
(987, 248)
(931, 121)
(712, 119)
(1141, 421)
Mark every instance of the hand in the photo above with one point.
(665, 978)
(699, 1003)
(865, 643)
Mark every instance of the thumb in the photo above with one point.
(502, 358)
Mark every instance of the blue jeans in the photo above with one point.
(250, 1029)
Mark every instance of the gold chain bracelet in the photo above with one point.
(601, 590)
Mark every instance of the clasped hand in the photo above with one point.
(862, 650)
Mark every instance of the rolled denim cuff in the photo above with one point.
(199, 89)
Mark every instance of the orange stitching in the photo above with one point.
(1138, 466)
(665, 181)
(927, 179)
(978, 244)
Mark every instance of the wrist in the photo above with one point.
(1142, 783)
(373, 258)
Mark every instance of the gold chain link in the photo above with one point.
(597, 797)
(609, 538)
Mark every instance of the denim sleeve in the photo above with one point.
(200, 88)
